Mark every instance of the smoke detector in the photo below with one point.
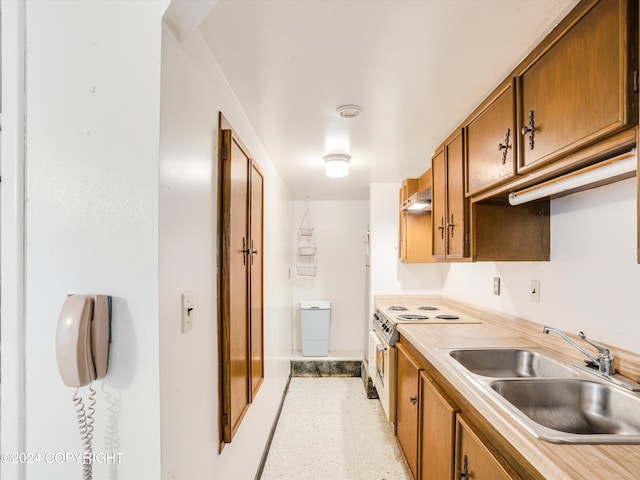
(349, 111)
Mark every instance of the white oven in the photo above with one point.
(384, 368)
(383, 338)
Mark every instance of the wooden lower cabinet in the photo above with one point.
(474, 459)
(435, 439)
(437, 432)
(407, 392)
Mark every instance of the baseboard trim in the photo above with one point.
(265, 453)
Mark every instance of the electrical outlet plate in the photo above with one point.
(496, 285)
(187, 311)
(535, 291)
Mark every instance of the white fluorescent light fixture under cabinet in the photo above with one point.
(609, 171)
(336, 165)
(420, 206)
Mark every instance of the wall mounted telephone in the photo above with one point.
(83, 336)
(82, 339)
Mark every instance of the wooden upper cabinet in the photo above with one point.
(491, 139)
(449, 206)
(578, 88)
(438, 204)
(414, 227)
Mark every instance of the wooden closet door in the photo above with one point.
(238, 326)
(256, 245)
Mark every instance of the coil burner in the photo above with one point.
(397, 308)
(412, 317)
(447, 317)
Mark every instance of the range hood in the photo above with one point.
(419, 202)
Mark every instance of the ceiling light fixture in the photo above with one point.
(336, 165)
(349, 111)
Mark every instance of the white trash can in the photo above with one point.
(315, 316)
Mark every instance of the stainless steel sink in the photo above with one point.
(511, 362)
(555, 401)
(573, 410)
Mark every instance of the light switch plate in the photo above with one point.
(535, 291)
(496, 285)
(187, 311)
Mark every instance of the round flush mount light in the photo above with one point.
(349, 111)
(336, 165)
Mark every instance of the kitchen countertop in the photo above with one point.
(552, 460)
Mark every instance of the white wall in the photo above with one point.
(389, 276)
(339, 230)
(592, 280)
(193, 91)
(91, 222)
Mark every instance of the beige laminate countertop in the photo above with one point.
(554, 461)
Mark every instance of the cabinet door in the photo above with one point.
(491, 139)
(474, 459)
(579, 90)
(402, 232)
(437, 432)
(438, 204)
(456, 211)
(256, 265)
(408, 373)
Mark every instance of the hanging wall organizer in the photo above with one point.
(306, 263)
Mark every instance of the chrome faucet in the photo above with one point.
(605, 361)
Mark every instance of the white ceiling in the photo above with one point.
(417, 68)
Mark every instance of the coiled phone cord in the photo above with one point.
(85, 419)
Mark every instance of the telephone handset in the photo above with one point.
(82, 339)
(82, 352)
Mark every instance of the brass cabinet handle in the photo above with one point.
(451, 225)
(245, 251)
(505, 146)
(441, 228)
(530, 129)
(465, 471)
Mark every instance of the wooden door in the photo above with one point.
(438, 204)
(491, 138)
(475, 459)
(256, 292)
(238, 323)
(437, 432)
(456, 211)
(240, 286)
(579, 90)
(407, 371)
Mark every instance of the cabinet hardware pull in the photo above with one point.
(465, 472)
(505, 146)
(414, 400)
(451, 225)
(531, 130)
(245, 251)
(441, 228)
(252, 251)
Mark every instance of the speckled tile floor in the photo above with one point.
(329, 430)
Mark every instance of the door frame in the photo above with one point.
(12, 387)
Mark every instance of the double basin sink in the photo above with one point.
(550, 397)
